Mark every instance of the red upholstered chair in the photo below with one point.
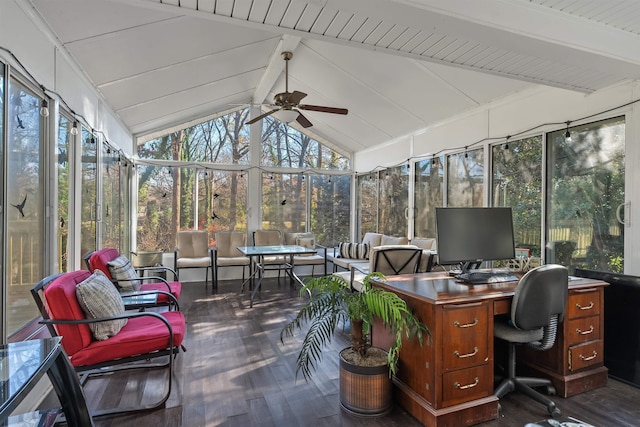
(146, 335)
(100, 259)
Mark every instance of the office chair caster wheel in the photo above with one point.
(554, 411)
(551, 390)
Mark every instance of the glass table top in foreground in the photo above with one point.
(20, 362)
(275, 250)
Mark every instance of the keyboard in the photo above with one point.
(478, 277)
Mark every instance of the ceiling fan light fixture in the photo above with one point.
(286, 116)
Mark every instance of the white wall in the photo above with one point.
(548, 108)
(22, 33)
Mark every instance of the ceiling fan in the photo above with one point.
(290, 101)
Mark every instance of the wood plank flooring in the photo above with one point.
(236, 372)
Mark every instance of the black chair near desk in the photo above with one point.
(538, 307)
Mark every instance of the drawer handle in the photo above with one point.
(588, 307)
(462, 356)
(464, 387)
(466, 325)
(581, 332)
(587, 358)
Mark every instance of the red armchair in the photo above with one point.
(122, 341)
(100, 260)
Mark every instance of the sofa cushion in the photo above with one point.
(123, 272)
(353, 250)
(392, 240)
(131, 341)
(372, 239)
(428, 243)
(99, 299)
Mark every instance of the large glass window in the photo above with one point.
(517, 182)
(330, 208)
(367, 204)
(428, 193)
(284, 202)
(156, 220)
(284, 146)
(89, 193)
(465, 176)
(63, 173)
(585, 189)
(394, 201)
(223, 140)
(25, 219)
(113, 192)
(222, 201)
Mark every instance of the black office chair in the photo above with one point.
(538, 307)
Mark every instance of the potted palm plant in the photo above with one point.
(362, 367)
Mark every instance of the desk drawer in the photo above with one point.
(466, 384)
(583, 329)
(466, 342)
(584, 303)
(585, 355)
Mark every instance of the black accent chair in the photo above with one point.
(537, 309)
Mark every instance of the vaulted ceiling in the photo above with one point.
(397, 65)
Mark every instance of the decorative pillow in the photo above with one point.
(99, 299)
(354, 250)
(306, 242)
(122, 271)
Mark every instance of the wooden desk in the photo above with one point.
(450, 380)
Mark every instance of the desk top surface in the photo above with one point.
(275, 250)
(440, 288)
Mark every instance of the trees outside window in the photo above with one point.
(428, 195)
(465, 178)
(199, 175)
(517, 182)
(585, 191)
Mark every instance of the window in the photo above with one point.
(465, 178)
(63, 168)
(223, 140)
(284, 146)
(429, 187)
(394, 201)
(222, 201)
(517, 182)
(367, 204)
(284, 202)
(113, 198)
(585, 190)
(24, 216)
(156, 222)
(89, 192)
(330, 208)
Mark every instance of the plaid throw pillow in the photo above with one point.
(99, 299)
(353, 250)
(124, 273)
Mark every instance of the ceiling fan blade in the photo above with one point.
(304, 122)
(295, 97)
(261, 116)
(323, 109)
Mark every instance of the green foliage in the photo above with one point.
(332, 301)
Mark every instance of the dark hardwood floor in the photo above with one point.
(236, 372)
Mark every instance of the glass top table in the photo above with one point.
(23, 363)
(287, 252)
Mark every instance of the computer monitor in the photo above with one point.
(472, 235)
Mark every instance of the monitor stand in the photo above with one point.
(471, 265)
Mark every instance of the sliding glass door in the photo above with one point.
(585, 196)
